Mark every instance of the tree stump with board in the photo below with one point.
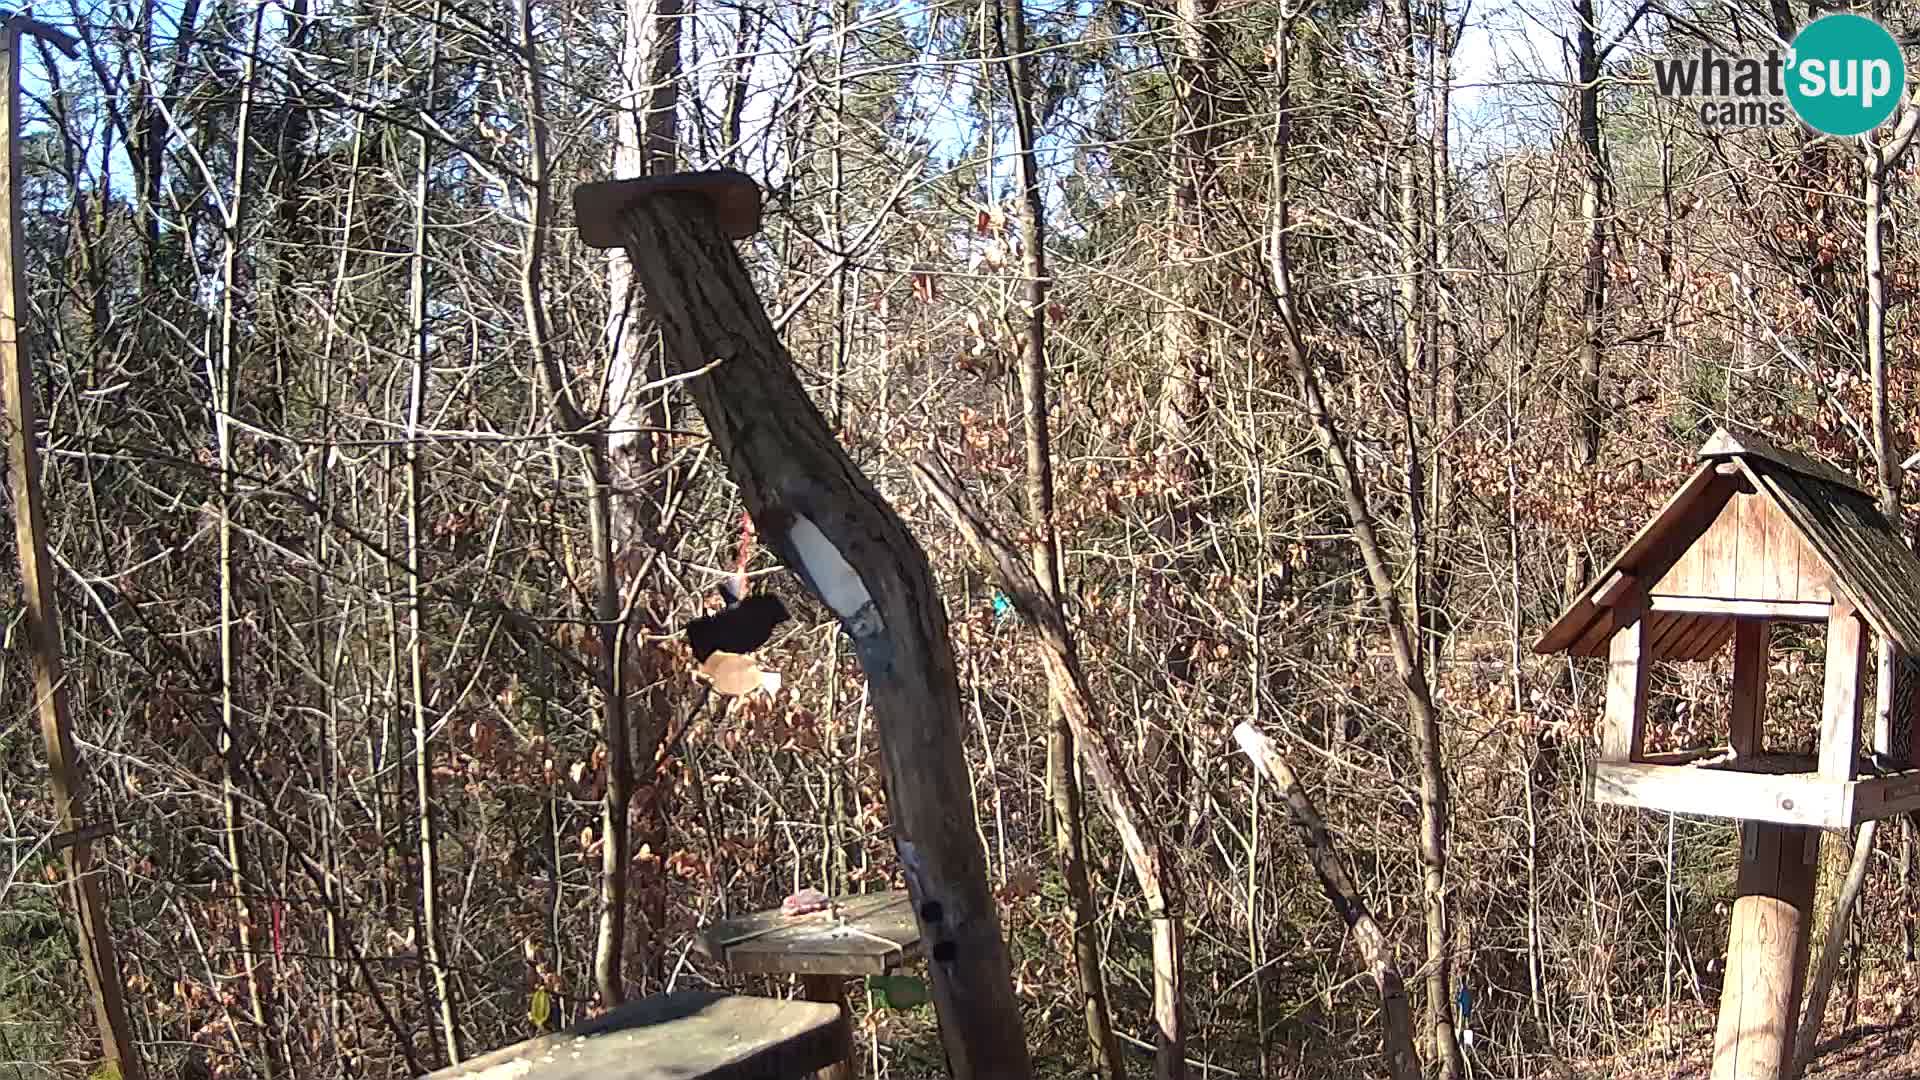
(862, 935)
(814, 507)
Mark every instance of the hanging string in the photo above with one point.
(746, 552)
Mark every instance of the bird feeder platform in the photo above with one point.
(685, 1035)
(861, 935)
(1783, 788)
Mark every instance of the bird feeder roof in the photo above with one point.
(1798, 507)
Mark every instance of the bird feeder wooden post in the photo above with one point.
(1757, 536)
(814, 507)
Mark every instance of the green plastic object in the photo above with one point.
(899, 991)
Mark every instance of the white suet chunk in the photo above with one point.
(1251, 740)
(840, 586)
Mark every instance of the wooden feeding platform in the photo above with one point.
(685, 1035)
(1783, 788)
(1759, 535)
(859, 935)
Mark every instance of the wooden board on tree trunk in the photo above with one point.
(860, 935)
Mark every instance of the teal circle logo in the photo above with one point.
(1845, 74)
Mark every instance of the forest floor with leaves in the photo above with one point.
(1882, 1043)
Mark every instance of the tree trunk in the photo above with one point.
(1185, 339)
(1821, 985)
(1447, 410)
(611, 671)
(814, 507)
(1143, 843)
(1396, 1015)
(1414, 325)
(1588, 408)
(232, 747)
(51, 690)
(1423, 719)
(430, 921)
(1063, 785)
(646, 143)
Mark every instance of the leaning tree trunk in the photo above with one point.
(811, 504)
(93, 937)
(1808, 1038)
(1144, 844)
(1396, 1014)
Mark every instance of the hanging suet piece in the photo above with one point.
(723, 642)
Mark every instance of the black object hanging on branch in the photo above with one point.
(745, 624)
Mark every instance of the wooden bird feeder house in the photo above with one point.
(1757, 536)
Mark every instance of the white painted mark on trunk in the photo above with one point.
(839, 584)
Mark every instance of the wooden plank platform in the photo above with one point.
(685, 1035)
(859, 935)
(1780, 788)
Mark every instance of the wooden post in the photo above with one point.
(1767, 949)
(1747, 730)
(97, 957)
(832, 989)
(1630, 655)
(815, 507)
(1840, 704)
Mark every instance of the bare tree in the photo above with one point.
(1422, 717)
(1069, 838)
(645, 144)
(432, 928)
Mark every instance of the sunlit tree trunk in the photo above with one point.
(645, 144)
(233, 748)
(1064, 788)
(432, 928)
(1185, 337)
